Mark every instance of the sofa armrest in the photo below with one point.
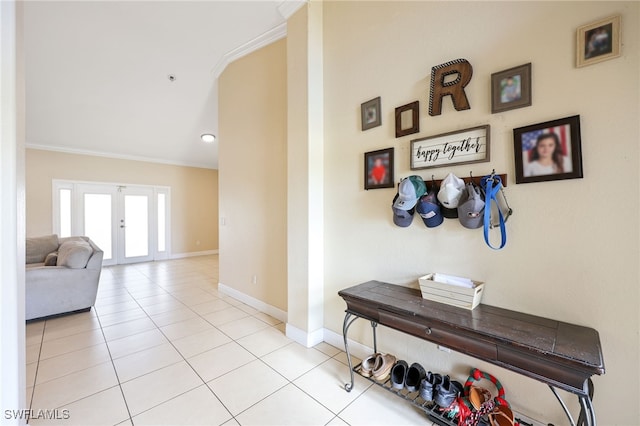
(95, 261)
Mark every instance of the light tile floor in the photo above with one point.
(163, 347)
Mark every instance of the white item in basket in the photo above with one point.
(462, 297)
(453, 280)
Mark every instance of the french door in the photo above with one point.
(127, 222)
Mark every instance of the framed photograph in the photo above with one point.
(598, 41)
(378, 169)
(511, 89)
(408, 119)
(459, 147)
(548, 151)
(370, 111)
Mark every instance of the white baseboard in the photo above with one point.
(253, 302)
(193, 254)
(356, 349)
(308, 340)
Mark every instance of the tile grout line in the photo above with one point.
(113, 365)
(117, 280)
(178, 351)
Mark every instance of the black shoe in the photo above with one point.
(428, 385)
(447, 392)
(415, 374)
(399, 374)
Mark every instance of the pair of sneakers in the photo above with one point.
(440, 389)
(377, 366)
(403, 376)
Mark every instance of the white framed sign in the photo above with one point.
(459, 147)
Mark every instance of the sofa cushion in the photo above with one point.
(51, 259)
(39, 247)
(74, 254)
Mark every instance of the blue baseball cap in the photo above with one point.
(429, 209)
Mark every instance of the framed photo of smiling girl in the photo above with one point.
(548, 151)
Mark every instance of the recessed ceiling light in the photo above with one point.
(208, 138)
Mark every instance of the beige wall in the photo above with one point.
(573, 246)
(194, 192)
(253, 177)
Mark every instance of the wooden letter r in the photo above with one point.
(454, 88)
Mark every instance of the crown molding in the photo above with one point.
(67, 150)
(285, 9)
(262, 40)
(288, 8)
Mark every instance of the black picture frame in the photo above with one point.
(371, 115)
(379, 169)
(402, 129)
(511, 88)
(534, 162)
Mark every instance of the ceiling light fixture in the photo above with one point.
(208, 138)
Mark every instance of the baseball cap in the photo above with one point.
(402, 218)
(429, 209)
(471, 208)
(409, 191)
(451, 189)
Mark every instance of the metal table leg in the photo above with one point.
(587, 413)
(345, 329)
(375, 343)
(348, 320)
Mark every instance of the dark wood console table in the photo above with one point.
(559, 354)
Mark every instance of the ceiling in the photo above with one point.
(97, 73)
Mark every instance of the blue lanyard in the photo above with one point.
(490, 196)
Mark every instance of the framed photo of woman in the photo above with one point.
(548, 151)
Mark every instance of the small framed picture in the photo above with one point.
(378, 169)
(511, 89)
(370, 111)
(408, 119)
(598, 41)
(548, 151)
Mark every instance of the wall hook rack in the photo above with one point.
(471, 178)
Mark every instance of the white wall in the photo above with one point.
(573, 246)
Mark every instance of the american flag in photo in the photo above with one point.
(529, 139)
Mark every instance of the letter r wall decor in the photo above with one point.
(454, 88)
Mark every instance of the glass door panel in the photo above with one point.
(136, 231)
(135, 224)
(98, 222)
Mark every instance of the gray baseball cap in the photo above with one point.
(471, 207)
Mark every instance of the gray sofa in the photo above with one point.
(61, 276)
